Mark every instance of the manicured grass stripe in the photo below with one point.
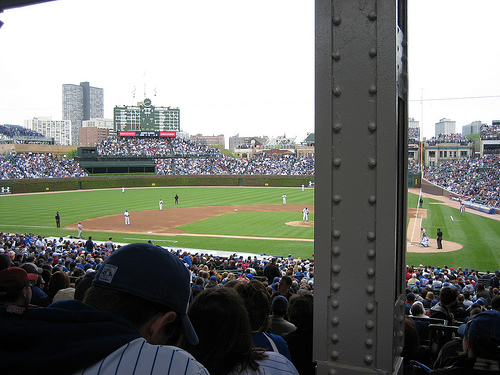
(479, 236)
(256, 224)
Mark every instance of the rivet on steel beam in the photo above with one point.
(401, 318)
(369, 342)
(336, 287)
(370, 307)
(337, 91)
(370, 289)
(372, 52)
(371, 236)
(332, 371)
(368, 359)
(337, 162)
(337, 20)
(372, 16)
(399, 350)
(335, 355)
(336, 233)
(401, 303)
(370, 253)
(335, 321)
(401, 334)
(372, 199)
(336, 56)
(370, 324)
(337, 127)
(336, 268)
(335, 338)
(336, 251)
(372, 90)
(337, 198)
(335, 303)
(372, 126)
(372, 162)
(370, 272)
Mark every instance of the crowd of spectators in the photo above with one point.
(448, 138)
(441, 303)
(65, 269)
(277, 294)
(14, 130)
(20, 166)
(475, 180)
(490, 132)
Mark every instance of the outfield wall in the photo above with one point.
(110, 182)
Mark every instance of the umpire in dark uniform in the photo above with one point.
(439, 239)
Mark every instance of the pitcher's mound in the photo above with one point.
(301, 223)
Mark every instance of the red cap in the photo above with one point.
(13, 279)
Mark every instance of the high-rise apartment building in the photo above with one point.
(60, 130)
(445, 126)
(79, 103)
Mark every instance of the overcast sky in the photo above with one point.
(233, 66)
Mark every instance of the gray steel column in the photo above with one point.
(361, 185)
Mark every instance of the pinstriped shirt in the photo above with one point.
(274, 364)
(138, 357)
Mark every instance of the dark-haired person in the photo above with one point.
(258, 305)
(300, 341)
(481, 345)
(225, 338)
(132, 314)
(447, 299)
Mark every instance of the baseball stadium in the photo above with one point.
(128, 246)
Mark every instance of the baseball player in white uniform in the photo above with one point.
(284, 198)
(161, 204)
(305, 214)
(127, 217)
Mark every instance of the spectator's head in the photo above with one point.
(448, 295)
(279, 305)
(223, 327)
(300, 310)
(5, 261)
(257, 302)
(59, 280)
(15, 286)
(482, 336)
(417, 309)
(148, 286)
(495, 303)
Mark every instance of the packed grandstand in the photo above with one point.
(474, 179)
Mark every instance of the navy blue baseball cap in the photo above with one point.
(485, 325)
(153, 273)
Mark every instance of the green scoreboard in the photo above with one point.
(146, 117)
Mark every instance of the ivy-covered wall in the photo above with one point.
(63, 184)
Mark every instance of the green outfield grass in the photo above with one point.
(34, 213)
(479, 236)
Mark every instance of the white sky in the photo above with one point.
(232, 66)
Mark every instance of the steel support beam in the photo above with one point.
(361, 185)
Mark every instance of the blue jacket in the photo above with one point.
(59, 339)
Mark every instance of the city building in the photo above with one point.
(59, 130)
(79, 103)
(444, 126)
(146, 119)
(473, 128)
(92, 135)
(208, 140)
(437, 153)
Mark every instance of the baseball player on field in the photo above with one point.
(305, 214)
